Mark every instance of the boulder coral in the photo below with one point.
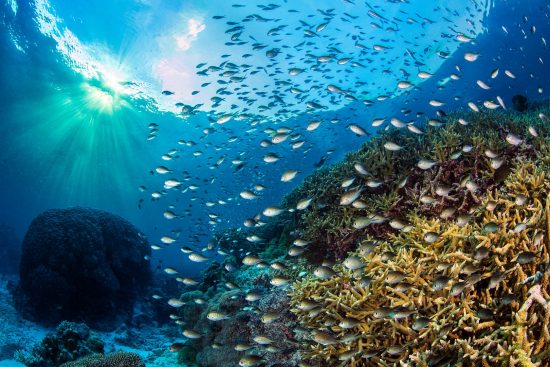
(81, 264)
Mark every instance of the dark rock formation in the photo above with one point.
(81, 264)
(10, 250)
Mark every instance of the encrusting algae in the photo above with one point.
(436, 256)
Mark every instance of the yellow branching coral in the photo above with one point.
(471, 293)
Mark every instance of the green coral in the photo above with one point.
(187, 355)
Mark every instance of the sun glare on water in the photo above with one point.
(99, 99)
(105, 95)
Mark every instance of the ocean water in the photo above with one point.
(163, 112)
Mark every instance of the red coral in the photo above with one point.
(288, 333)
(339, 245)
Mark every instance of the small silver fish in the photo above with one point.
(279, 281)
(324, 272)
(463, 219)
(425, 164)
(490, 227)
(365, 281)
(440, 282)
(350, 196)
(366, 248)
(307, 305)
(426, 199)
(420, 323)
(353, 263)
(269, 317)
(241, 347)
(457, 288)
(393, 277)
(324, 338)
(521, 199)
(525, 257)
(481, 253)
(217, 316)
(348, 323)
(495, 279)
(391, 146)
(513, 139)
(382, 312)
(431, 237)
(197, 257)
(250, 360)
(191, 334)
(520, 227)
(176, 303)
(262, 340)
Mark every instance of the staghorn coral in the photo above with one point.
(472, 295)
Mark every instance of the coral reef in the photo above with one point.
(434, 245)
(475, 294)
(10, 250)
(115, 359)
(69, 342)
(81, 264)
(187, 356)
(268, 237)
(471, 291)
(222, 342)
(459, 151)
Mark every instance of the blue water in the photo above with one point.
(80, 82)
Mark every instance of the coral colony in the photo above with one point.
(441, 257)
